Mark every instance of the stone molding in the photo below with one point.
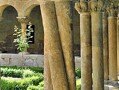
(23, 19)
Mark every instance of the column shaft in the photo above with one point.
(105, 46)
(97, 51)
(63, 11)
(118, 45)
(1, 18)
(47, 73)
(112, 35)
(51, 36)
(86, 52)
(23, 27)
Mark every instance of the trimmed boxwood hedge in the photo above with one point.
(35, 69)
(18, 72)
(29, 78)
(11, 84)
(19, 78)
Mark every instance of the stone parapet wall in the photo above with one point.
(35, 60)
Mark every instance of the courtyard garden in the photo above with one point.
(27, 78)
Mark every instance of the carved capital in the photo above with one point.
(23, 19)
(112, 10)
(105, 14)
(82, 6)
(97, 6)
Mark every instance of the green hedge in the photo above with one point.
(35, 69)
(19, 73)
(31, 78)
(11, 84)
(31, 87)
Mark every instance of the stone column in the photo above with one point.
(1, 18)
(53, 47)
(24, 21)
(86, 49)
(112, 36)
(105, 46)
(97, 46)
(118, 44)
(63, 12)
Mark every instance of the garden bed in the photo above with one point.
(26, 78)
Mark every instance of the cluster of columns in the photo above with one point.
(59, 72)
(99, 45)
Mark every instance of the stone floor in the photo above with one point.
(111, 85)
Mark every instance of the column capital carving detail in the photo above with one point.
(112, 10)
(82, 6)
(96, 6)
(105, 14)
(23, 19)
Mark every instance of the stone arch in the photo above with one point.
(4, 6)
(36, 20)
(9, 14)
(28, 7)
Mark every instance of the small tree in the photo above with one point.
(22, 42)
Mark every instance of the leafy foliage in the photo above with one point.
(78, 72)
(20, 72)
(20, 40)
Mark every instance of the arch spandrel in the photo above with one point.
(28, 7)
(6, 3)
(2, 8)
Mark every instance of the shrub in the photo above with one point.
(11, 84)
(35, 69)
(41, 84)
(33, 88)
(78, 72)
(7, 84)
(11, 72)
(19, 73)
(28, 73)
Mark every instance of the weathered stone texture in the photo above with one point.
(97, 51)
(105, 46)
(64, 17)
(112, 36)
(86, 51)
(55, 56)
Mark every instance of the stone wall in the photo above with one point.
(27, 60)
